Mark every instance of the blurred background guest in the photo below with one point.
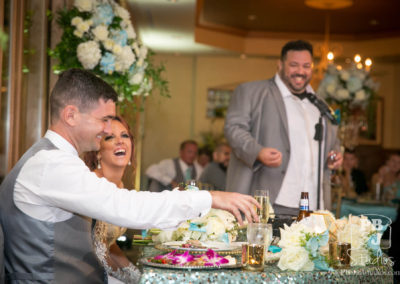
(110, 162)
(352, 179)
(214, 173)
(168, 173)
(388, 178)
(204, 157)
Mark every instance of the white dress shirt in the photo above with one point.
(54, 183)
(164, 172)
(301, 173)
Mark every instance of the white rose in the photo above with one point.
(296, 259)
(83, 26)
(344, 75)
(162, 237)
(78, 33)
(100, 32)
(342, 94)
(76, 21)
(136, 79)
(117, 49)
(89, 54)
(121, 12)
(360, 96)
(84, 5)
(290, 236)
(214, 228)
(108, 44)
(330, 89)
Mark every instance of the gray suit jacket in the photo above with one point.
(257, 118)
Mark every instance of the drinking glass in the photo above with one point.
(253, 253)
(262, 197)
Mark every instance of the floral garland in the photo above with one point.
(98, 35)
(348, 88)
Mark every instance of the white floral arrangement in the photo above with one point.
(363, 236)
(349, 88)
(216, 225)
(302, 248)
(99, 36)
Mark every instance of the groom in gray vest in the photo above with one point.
(46, 197)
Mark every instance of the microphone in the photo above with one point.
(322, 107)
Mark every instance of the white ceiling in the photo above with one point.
(167, 26)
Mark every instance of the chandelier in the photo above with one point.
(327, 50)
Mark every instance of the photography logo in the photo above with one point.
(381, 224)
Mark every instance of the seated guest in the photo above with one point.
(214, 173)
(203, 157)
(168, 173)
(48, 199)
(115, 154)
(353, 180)
(388, 177)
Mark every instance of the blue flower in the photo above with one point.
(374, 245)
(323, 239)
(312, 246)
(120, 37)
(107, 63)
(321, 264)
(104, 15)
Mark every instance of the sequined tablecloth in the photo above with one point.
(271, 273)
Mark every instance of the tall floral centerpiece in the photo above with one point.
(350, 91)
(98, 36)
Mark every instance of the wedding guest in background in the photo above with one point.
(204, 157)
(388, 177)
(46, 196)
(214, 173)
(270, 127)
(115, 154)
(353, 180)
(168, 173)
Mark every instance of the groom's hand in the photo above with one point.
(235, 203)
(270, 157)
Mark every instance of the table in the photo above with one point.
(355, 208)
(271, 273)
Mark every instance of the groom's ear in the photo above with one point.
(70, 115)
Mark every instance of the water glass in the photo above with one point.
(259, 236)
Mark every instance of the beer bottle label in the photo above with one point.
(304, 204)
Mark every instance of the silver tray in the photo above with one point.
(144, 261)
(234, 250)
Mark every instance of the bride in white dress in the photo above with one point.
(116, 152)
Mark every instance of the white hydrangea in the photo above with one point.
(116, 49)
(342, 94)
(125, 59)
(83, 26)
(76, 21)
(84, 5)
(121, 12)
(78, 33)
(89, 54)
(130, 32)
(108, 44)
(360, 96)
(344, 75)
(136, 79)
(100, 32)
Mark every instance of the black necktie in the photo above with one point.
(302, 96)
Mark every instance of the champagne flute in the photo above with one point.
(262, 197)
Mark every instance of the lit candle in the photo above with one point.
(357, 58)
(330, 56)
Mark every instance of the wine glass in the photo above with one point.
(262, 197)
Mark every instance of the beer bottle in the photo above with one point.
(304, 206)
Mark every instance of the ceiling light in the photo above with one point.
(329, 4)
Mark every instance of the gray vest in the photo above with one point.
(45, 252)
